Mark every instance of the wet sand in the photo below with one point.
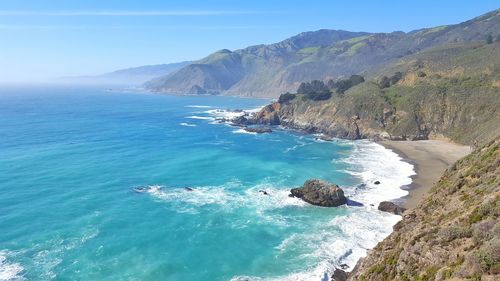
(430, 158)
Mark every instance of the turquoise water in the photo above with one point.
(71, 157)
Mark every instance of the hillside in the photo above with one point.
(268, 70)
(450, 92)
(454, 233)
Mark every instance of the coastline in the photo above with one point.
(430, 159)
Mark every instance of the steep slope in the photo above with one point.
(452, 92)
(454, 233)
(268, 70)
(225, 70)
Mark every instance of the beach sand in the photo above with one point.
(430, 158)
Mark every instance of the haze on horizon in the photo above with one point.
(43, 40)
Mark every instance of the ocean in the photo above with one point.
(123, 185)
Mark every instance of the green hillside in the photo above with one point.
(269, 70)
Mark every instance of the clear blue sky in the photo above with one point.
(51, 38)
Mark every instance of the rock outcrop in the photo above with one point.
(320, 193)
(390, 207)
(453, 234)
(258, 130)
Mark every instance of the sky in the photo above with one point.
(46, 39)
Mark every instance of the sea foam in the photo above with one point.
(347, 238)
(9, 271)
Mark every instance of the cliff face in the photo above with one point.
(454, 233)
(436, 95)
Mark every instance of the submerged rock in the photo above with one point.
(258, 130)
(390, 207)
(320, 193)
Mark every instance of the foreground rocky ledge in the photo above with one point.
(320, 193)
(453, 234)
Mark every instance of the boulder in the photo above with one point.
(390, 207)
(241, 120)
(339, 275)
(320, 193)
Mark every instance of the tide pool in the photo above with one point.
(70, 158)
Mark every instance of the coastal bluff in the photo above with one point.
(453, 234)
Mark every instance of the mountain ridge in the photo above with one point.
(269, 70)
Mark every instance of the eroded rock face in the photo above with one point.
(390, 207)
(320, 193)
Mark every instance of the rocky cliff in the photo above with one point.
(451, 92)
(454, 233)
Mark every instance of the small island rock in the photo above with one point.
(320, 193)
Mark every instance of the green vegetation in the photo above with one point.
(489, 39)
(286, 97)
(434, 29)
(386, 82)
(355, 39)
(354, 48)
(318, 90)
(308, 50)
(467, 245)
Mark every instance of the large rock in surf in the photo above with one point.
(320, 193)
(390, 207)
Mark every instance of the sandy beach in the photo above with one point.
(430, 158)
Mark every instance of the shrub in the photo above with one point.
(386, 82)
(483, 211)
(286, 97)
(489, 256)
(489, 39)
(451, 233)
(314, 86)
(319, 96)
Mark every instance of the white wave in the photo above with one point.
(9, 271)
(225, 113)
(298, 145)
(243, 131)
(372, 162)
(346, 239)
(48, 255)
(228, 114)
(200, 117)
(187, 124)
(224, 196)
(199, 106)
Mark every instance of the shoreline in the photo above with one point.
(430, 159)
